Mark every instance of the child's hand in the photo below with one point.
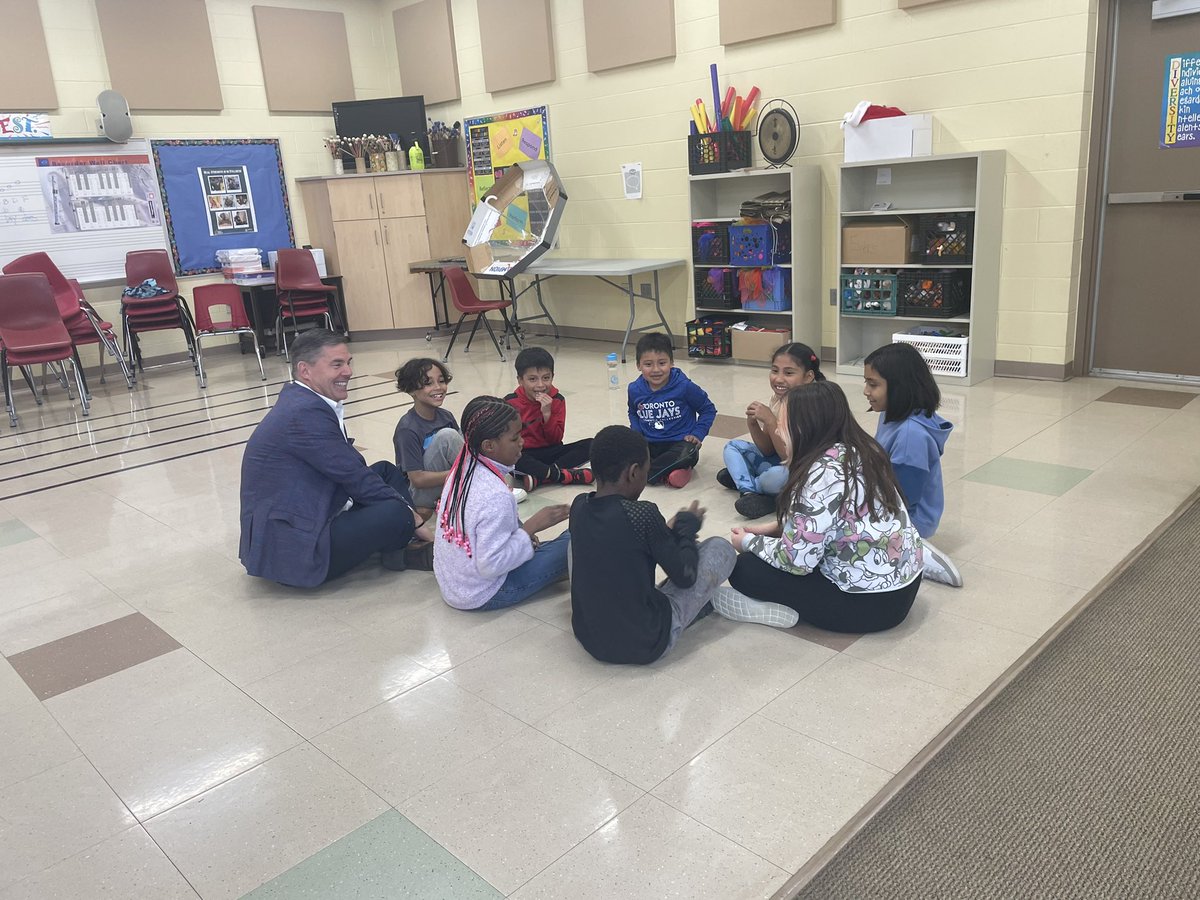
(737, 536)
(762, 414)
(692, 439)
(546, 518)
(695, 509)
(546, 402)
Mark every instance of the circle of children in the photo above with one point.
(845, 550)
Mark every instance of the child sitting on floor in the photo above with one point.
(427, 438)
(899, 386)
(617, 612)
(543, 410)
(671, 411)
(756, 468)
(484, 557)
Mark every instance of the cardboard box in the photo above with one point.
(875, 244)
(757, 346)
(898, 137)
(529, 200)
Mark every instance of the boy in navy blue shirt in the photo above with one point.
(672, 411)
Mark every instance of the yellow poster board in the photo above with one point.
(494, 143)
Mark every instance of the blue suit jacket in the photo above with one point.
(298, 471)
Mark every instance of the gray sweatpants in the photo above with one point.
(717, 559)
(438, 457)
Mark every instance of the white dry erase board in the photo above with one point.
(86, 205)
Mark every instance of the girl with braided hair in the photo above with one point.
(484, 556)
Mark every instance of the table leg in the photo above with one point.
(658, 309)
(537, 287)
(629, 326)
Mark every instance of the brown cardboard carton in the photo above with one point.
(528, 202)
(875, 244)
(757, 346)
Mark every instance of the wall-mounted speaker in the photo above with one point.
(114, 121)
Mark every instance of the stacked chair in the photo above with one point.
(301, 294)
(164, 312)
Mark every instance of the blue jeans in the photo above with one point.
(549, 564)
(753, 471)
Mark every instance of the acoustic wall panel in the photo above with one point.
(180, 74)
(748, 20)
(518, 43)
(425, 51)
(305, 58)
(625, 32)
(28, 83)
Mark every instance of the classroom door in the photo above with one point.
(1147, 313)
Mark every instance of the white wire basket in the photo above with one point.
(945, 355)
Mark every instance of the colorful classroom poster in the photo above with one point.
(24, 126)
(99, 193)
(1180, 125)
(497, 141)
(228, 199)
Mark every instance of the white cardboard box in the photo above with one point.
(318, 258)
(897, 137)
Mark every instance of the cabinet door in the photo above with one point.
(352, 198)
(447, 212)
(404, 242)
(361, 257)
(399, 196)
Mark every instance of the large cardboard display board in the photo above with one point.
(497, 141)
(527, 203)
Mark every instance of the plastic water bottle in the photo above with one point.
(614, 373)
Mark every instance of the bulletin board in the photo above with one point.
(497, 141)
(221, 195)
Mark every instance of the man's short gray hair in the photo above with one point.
(308, 347)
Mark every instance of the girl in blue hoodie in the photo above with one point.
(899, 386)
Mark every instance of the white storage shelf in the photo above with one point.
(718, 198)
(957, 183)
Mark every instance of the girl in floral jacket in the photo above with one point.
(842, 551)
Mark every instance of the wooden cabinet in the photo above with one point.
(374, 227)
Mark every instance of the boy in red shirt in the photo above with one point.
(545, 459)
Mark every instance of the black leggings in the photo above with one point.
(539, 461)
(819, 601)
(667, 456)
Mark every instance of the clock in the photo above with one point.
(778, 132)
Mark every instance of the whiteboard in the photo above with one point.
(86, 205)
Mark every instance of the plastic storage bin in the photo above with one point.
(869, 293)
(718, 151)
(946, 355)
(717, 288)
(710, 243)
(766, 290)
(934, 294)
(751, 245)
(944, 238)
(710, 337)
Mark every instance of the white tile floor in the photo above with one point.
(289, 719)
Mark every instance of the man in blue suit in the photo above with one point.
(312, 508)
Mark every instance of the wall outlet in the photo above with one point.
(644, 289)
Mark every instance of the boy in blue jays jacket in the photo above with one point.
(672, 412)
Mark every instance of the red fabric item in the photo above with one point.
(881, 112)
(536, 431)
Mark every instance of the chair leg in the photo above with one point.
(511, 327)
(80, 377)
(492, 335)
(258, 355)
(27, 374)
(471, 336)
(200, 364)
(8, 398)
(77, 369)
(454, 337)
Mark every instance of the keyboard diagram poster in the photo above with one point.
(99, 193)
(494, 143)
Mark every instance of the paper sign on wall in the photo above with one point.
(1180, 126)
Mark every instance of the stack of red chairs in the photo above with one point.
(82, 322)
(160, 313)
(301, 293)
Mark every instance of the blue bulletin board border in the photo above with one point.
(193, 246)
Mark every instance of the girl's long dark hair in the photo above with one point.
(818, 416)
(910, 385)
(803, 356)
(484, 418)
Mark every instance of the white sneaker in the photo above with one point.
(733, 604)
(519, 495)
(940, 568)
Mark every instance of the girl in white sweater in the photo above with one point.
(484, 557)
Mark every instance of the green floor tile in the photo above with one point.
(389, 857)
(15, 532)
(1027, 475)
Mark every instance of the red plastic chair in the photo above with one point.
(162, 313)
(226, 301)
(301, 294)
(83, 323)
(467, 302)
(32, 332)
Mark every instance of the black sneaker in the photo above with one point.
(726, 480)
(755, 506)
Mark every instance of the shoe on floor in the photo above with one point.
(726, 480)
(737, 606)
(520, 494)
(755, 506)
(419, 555)
(940, 568)
(679, 478)
(576, 476)
(525, 482)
